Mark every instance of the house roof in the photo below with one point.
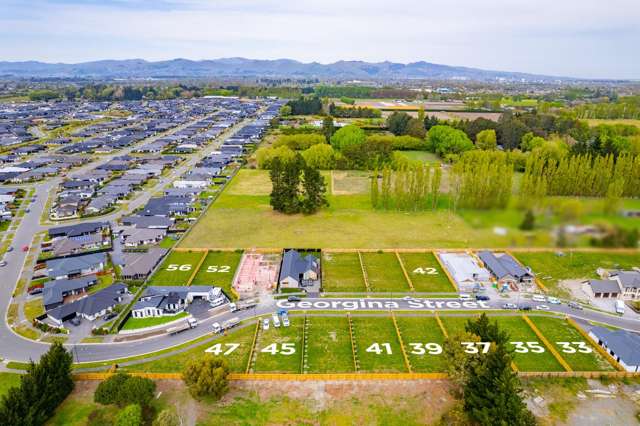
(142, 263)
(293, 264)
(503, 265)
(91, 304)
(79, 229)
(65, 266)
(624, 344)
(147, 221)
(160, 297)
(55, 290)
(604, 286)
(628, 279)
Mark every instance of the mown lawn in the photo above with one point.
(329, 345)
(576, 350)
(8, 381)
(384, 272)
(425, 273)
(551, 268)
(372, 335)
(279, 349)
(177, 268)
(341, 272)
(237, 358)
(218, 269)
(136, 323)
(423, 342)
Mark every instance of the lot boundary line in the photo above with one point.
(404, 271)
(303, 358)
(354, 349)
(445, 333)
(595, 344)
(427, 249)
(407, 364)
(253, 347)
(364, 271)
(548, 344)
(197, 268)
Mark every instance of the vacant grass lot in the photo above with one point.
(425, 273)
(218, 269)
(329, 345)
(341, 272)
(279, 350)
(551, 268)
(577, 351)
(384, 272)
(520, 331)
(177, 268)
(242, 217)
(371, 335)
(418, 332)
(237, 359)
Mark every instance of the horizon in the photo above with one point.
(578, 39)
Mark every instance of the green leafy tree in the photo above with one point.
(447, 140)
(207, 376)
(397, 123)
(122, 389)
(167, 417)
(347, 136)
(131, 415)
(415, 128)
(314, 190)
(328, 129)
(529, 221)
(321, 156)
(487, 140)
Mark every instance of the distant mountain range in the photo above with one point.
(241, 67)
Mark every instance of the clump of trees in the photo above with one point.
(299, 141)
(401, 123)
(353, 112)
(490, 390)
(482, 180)
(207, 377)
(306, 105)
(413, 187)
(447, 141)
(44, 387)
(123, 389)
(296, 186)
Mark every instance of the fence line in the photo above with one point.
(253, 346)
(404, 351)
(197, 268)
(364, 272)
(404, 271)
(354, 349)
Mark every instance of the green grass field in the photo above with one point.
(384, 272)
(136, 323)
(520, 331)
(224, 347)
(422, 156)
(423, 341)
(8, 381)
(425, 273)
(177, 268)
(279, 350)
(218, 269)
(329, 345)
(576, 350)
(341, 272)
(242, 217)
(377, 344)
(551, 268)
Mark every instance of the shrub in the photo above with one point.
(130, 416)
(207, 376)
(347, 136)
(122, 389)
(299, 141)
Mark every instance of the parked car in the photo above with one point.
(75, 321)
(575, 305)
(27, 210)
(3, 263)
(10, 249)
(293, 299)
(110, 316)
(465, 296)
(482, 297)
(553, 300)
(542, 307)
(509, 306)
(265, 324)
(538, 298)
(524, 307)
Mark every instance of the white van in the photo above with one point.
(276, 320)
(465, 296)
(539, 298)
(620, 307)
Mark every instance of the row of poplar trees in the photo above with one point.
(482, 180)
(581, 175)
(412, 187)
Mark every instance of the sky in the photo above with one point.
(574, 38)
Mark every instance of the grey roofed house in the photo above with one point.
(75, 266)
(91, 306)
(628, 279)
(72, 245)
(138, 265)
(623, 345)
(140, 236)
(54, 292)
(604, 286)
(297, 270)
(101, 202)
(152, 222)
(79, 229)
(504, 266)
(182, 192)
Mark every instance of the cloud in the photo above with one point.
(570, 37)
